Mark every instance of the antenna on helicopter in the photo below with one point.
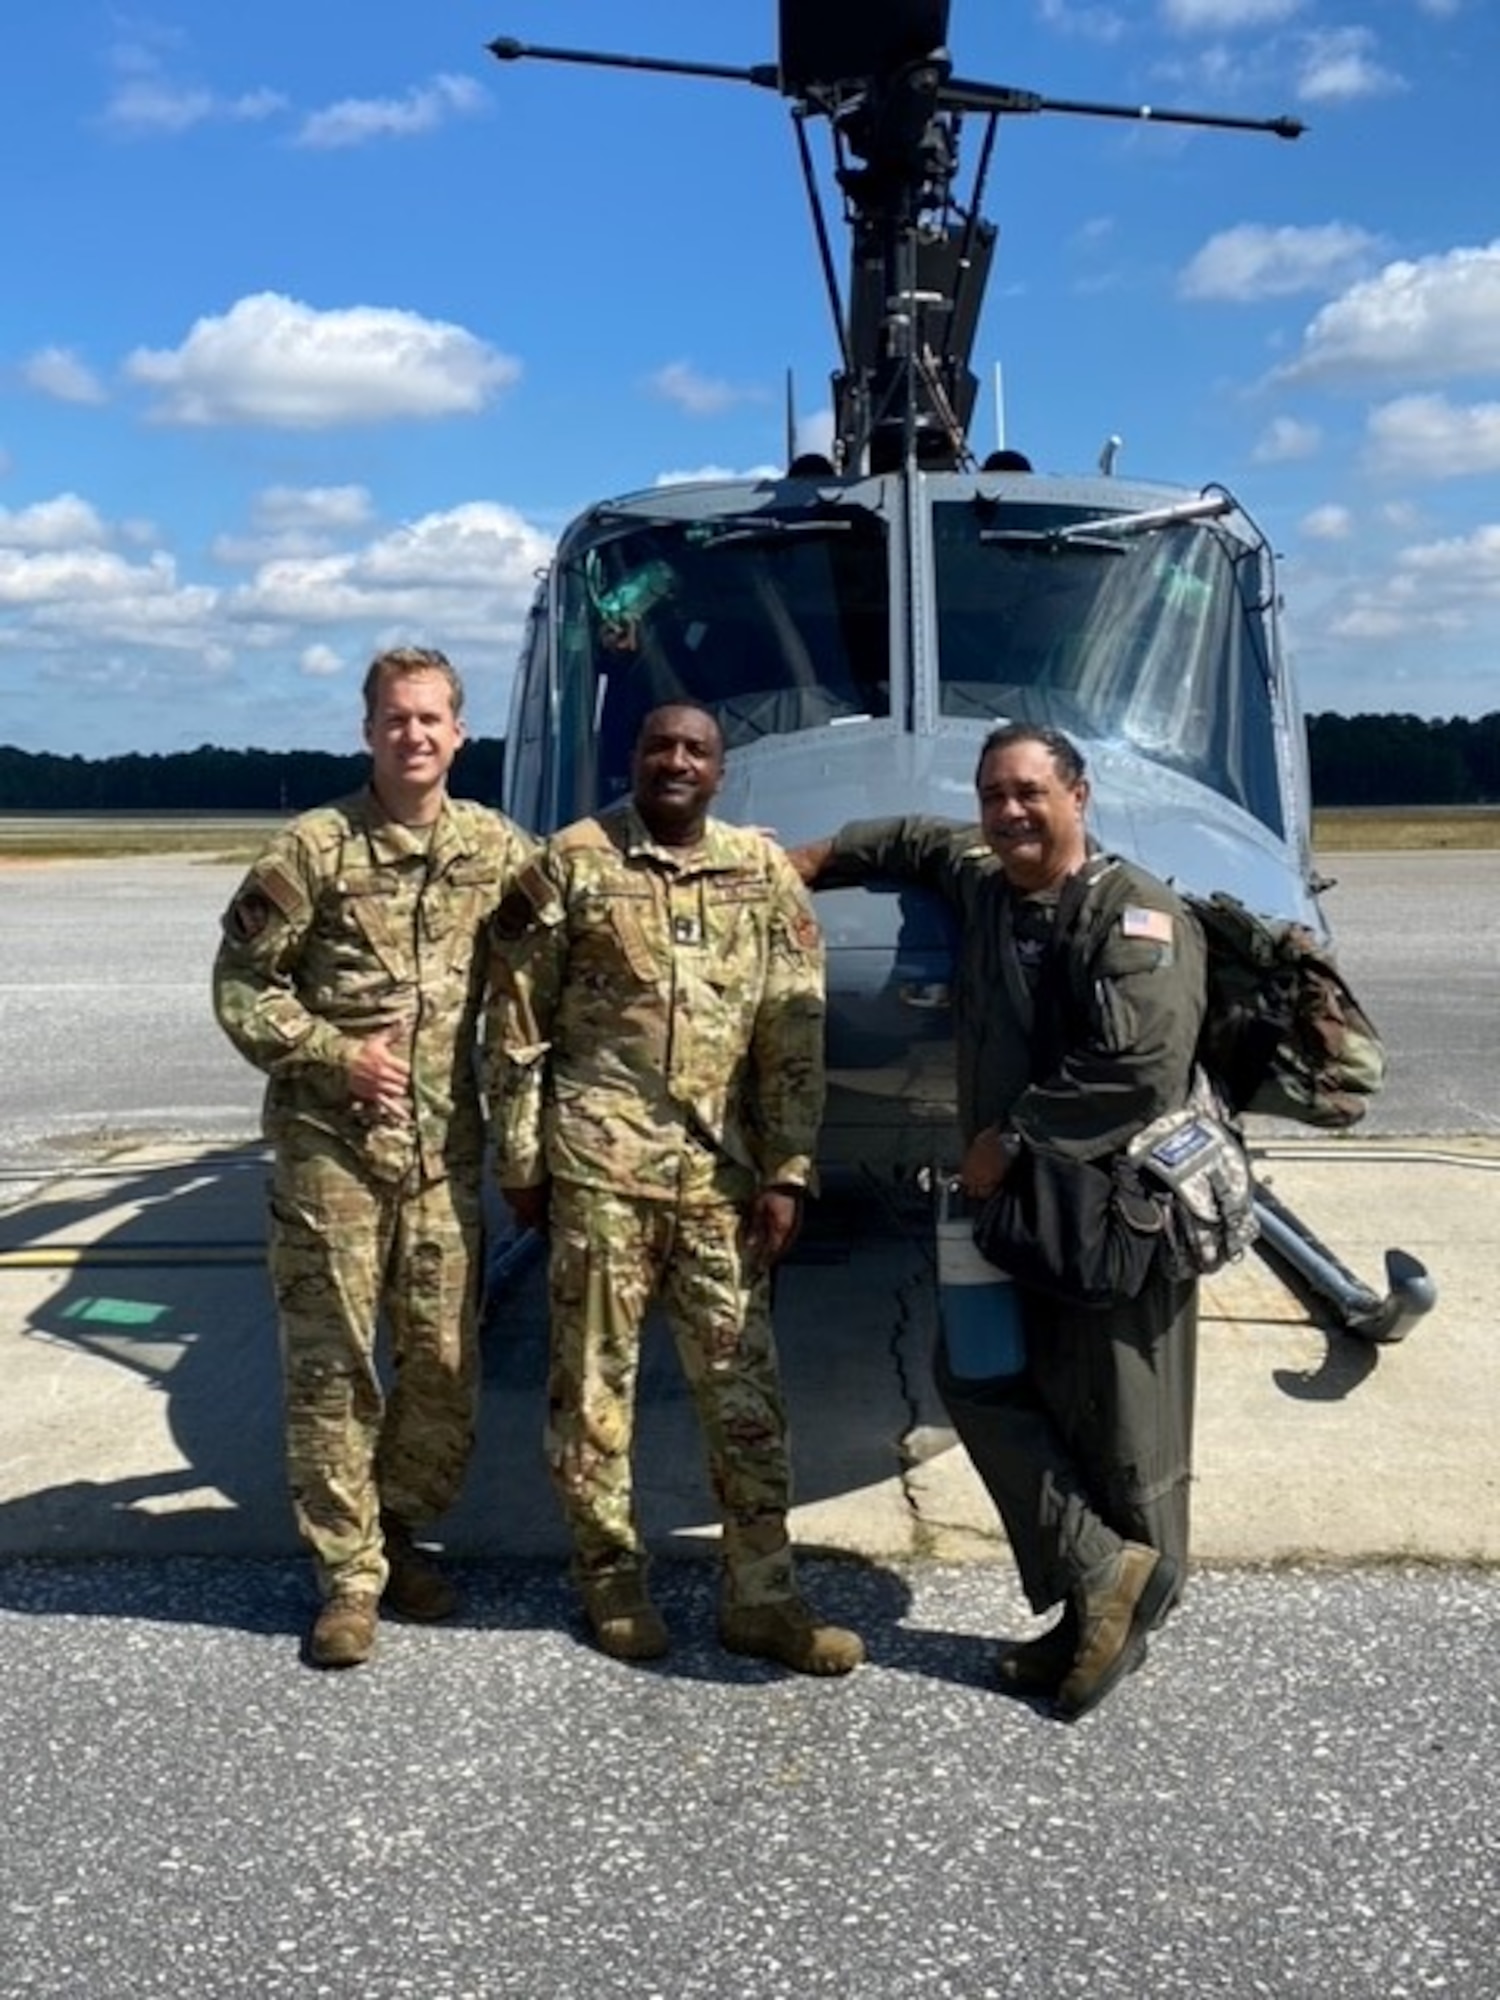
(879, 73)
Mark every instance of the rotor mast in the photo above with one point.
(880, 73)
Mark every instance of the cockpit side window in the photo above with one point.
(1154, 642)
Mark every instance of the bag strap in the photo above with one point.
(1017, 985)
(1052, 1000)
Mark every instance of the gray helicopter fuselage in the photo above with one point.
(858, 639)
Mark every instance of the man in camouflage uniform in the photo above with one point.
(351, 971)
(656, 1083)
(1088, 1452)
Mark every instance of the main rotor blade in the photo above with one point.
(505, 48)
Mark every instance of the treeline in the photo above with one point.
(1357, 760)
(209, 780)
(1401, 760)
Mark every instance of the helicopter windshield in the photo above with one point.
(776, 624)
(1157, 641)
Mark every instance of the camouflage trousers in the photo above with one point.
(345, 1252)
(610, 1257)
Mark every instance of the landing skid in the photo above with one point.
(1360, 1311)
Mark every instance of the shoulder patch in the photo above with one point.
(269, 890)
(522, 904)
(1154, 926)
(248, 916)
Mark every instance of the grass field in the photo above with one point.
(97, 836)
(236, 837)
(1392, 829)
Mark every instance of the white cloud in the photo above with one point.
(1434, 589)
(126, 636)
(283, 509)
(472, 564)
(73, 589)
(57, 372)
(296, 520)
(1338, 66)
(1088, 24)
(147, 105)
(1284, 439)
(1330, 523)
(699, 395)
(1437, 318)
(274, 361)
(62, 523)
(717, 474)
(356, 121)
(1254, 261)
(1428, 437)
(1213, 17)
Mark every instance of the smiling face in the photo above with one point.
(1031, 815)
(414, 735)
(678, 767)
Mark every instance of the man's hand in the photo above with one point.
(529, 1205)
(810, 860)
(380, 1076)
(772, 1225)
(990, 1157)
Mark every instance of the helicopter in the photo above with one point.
(859, 622)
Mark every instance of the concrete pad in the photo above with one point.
(138, 1348)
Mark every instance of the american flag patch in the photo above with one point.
(1154, 925)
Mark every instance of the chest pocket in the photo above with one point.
(613, 937)
(365, 912)
(458, 902)
(732, 933)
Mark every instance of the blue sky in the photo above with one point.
(319, 323)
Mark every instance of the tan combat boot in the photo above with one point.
(624, 1621)
(1117, 1606)
(343, 1634)
(787, 1632)
(1038, 1666)
(415, 1588)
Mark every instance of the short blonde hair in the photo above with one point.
(398, 661)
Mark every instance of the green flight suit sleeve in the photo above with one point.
(917, 849)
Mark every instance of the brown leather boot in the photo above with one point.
(787, 1632)
(416, 1588)
(1117, 1606)
(1038, 1666)
(343, 1634)
(624, 1621)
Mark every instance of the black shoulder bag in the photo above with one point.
(1085, 1232)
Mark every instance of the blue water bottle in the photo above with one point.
(977, 1305)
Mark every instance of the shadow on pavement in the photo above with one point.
(156, 1269)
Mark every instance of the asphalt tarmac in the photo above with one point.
(1294, 1797)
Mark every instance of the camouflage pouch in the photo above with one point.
(1198, 1161)
(1283, 1035)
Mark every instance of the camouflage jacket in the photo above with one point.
(656, 1020)
(1117, 1053)
(349, 923)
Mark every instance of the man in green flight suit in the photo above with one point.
(655, 1052)
(351, 971)
(1087, 1453)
